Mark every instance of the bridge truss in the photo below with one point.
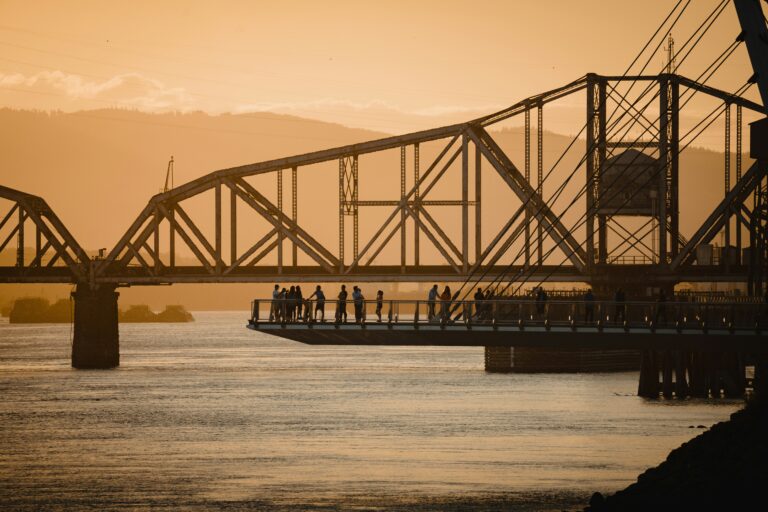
(156, 248)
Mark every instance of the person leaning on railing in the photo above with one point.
(320, 304)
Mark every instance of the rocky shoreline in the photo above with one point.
(724, 468)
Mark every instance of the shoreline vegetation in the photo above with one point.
(32, 310)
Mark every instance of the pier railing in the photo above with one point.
(746, 313)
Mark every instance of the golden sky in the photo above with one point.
(393, 66)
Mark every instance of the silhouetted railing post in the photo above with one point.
(416, 313)
(255, 311)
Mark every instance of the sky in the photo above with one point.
(392, 66)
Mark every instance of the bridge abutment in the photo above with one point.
(96, 337)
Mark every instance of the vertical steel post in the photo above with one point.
(402, 209)
(294, 210)
(727, 182)
(217, 223)
(465, 202)
(661, 203)
(171, 236)
(355, 211)
(20, 240)
(38, 245)
(478, 208)
(673, 187)
(416, 204)
(232, 226)
(540, 176)
(341, 214)
(156, 238)
(601, 152)
(527, 150)
(591, 162)
(280, 233)
(738, 168)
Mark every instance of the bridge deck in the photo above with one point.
(408, 334)
(688, 326)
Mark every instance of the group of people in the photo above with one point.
(291, 306)
(620, 307)
(445, 301)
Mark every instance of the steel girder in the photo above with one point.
(53, 243)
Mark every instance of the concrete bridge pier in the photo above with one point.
(681, 373)
(498, 359)
(96, 338)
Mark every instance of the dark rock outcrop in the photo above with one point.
(724, 468)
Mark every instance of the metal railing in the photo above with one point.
(519, 312)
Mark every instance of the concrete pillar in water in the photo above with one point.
(498, 359)
(648, 387)
(96, 339)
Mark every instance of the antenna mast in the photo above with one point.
(671, 65)
(168, 176)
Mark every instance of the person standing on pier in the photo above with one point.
(320, 305)
(341, 305)
(280, 314)
(478, 302)
(379, 304)
(621, 308)
(290, 304)
(431, 300)
(299, 303)
(541, 302)
(445, 302)
(273, 311)
(589, 307)
(357, 299)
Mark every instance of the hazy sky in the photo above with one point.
(393, 66)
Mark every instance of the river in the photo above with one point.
(209, 415)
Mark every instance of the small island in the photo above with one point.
(32, 310)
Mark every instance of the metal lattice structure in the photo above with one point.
(55, 255)
(147, 253)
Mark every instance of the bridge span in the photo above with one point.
(613, 221)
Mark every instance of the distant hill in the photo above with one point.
(99, 168)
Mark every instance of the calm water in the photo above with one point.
(210, 415)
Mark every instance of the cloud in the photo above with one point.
(129, 89)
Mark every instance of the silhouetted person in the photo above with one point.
(379, 304)
(431, 300)
(479, 302)
(445, 302)
(589, 306)
(487, 301)
(621, 308)
(541, 301)
(320, 305)
(661, 308)
(290, 304)
(341, 305)
(273, 310)
(281, 307)
(299, 302)
(357, 299)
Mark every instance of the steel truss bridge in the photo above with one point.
(147, 252)
(630, 163)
